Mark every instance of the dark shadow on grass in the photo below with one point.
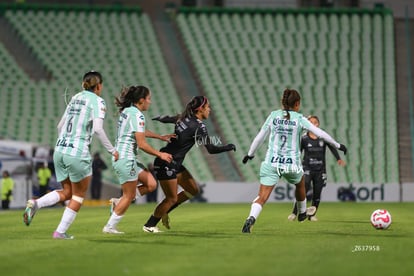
(208, 235)
(138, 240)
(159, 238)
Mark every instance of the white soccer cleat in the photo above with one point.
(292, 217)
(310, 211)
(153, 229)
(313, 218)
(111, 230)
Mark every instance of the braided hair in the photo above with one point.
(91, 80)
(289, 99)
(130, 96)
(193, 106)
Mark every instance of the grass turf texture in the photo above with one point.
(206, 239)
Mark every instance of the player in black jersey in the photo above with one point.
(314, 166)
(189, 130)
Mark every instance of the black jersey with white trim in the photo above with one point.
(314, 153)
(189, 131)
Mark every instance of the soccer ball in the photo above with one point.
(381, 219)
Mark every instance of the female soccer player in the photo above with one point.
(83, 117)
(283, 155)
(190, 129)
(314, 166)
(132, 102)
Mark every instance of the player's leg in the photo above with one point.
(189, 185)
(128, 195)
(318, 184)
(80, 174)
(269, 177)
(300, 195)
(257, 206)
(190, 189)
(309, 180)
(169, 187)
(53, 197)
(146, 181)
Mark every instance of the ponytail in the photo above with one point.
(130, 96)
(193, 106)
(289, 99)
(91, 80)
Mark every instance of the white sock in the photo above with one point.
(301, 206)
(68, 217)
(48, 199)
(114, 220)
(255, 210)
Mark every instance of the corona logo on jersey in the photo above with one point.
(277, 121)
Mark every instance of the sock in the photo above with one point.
(295, 208)
(173, 207)
(152, 221)
(68, 217)
(48, 199)
(302, 206)
(114, 220)
(255, 210)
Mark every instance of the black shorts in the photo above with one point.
(167, 171)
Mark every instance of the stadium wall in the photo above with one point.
(241, 192)
(232, 192)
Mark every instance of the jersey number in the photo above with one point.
(69, 126)
(284, 139)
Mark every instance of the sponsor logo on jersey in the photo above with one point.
(277, 121)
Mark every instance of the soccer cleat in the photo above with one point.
(153, 229)
(302, 217)
(313, 218)
(292, 217)
(113, 201)
(30, 211)
(62, 236)
(248, 224)
(111, 230)
(310, 211)
(165, 219)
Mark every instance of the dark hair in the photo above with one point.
(313, 117)
(91, 79)
(193, 106)
(131, 95)
(289, 99)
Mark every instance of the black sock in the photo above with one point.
(173, 207)
(152, 221)
(295, 209)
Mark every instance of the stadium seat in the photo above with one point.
(321, 54)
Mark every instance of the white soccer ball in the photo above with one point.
(381, 219)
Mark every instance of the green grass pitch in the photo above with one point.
(206, 239)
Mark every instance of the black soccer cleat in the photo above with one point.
(248, 224)
(302, 216)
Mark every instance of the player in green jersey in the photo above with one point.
(284, 127)
(83, 118)
(132, 102)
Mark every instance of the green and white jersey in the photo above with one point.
(76, 134)
(131, 120)
(284, 140)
